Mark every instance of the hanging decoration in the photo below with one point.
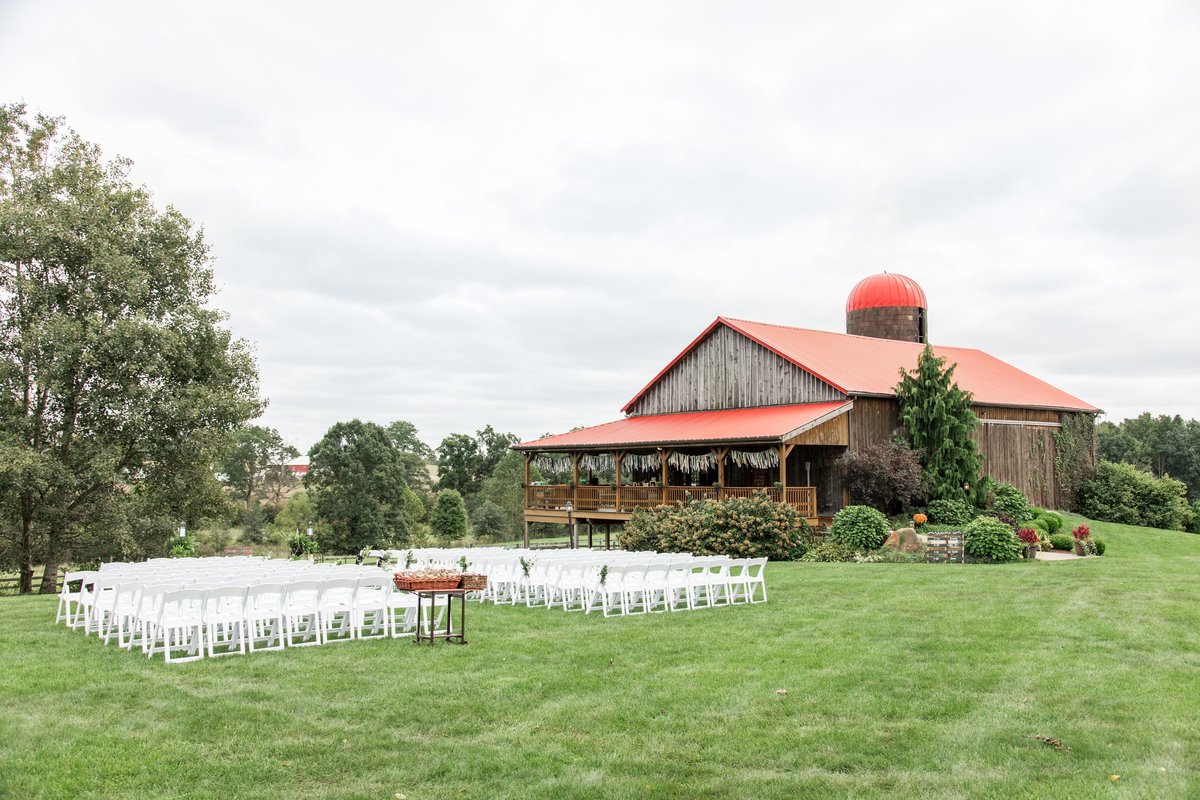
(596, 462)
(553, 464)
(648, 462)
(762, 459)
(692, 463)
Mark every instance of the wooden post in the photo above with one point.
(719, 453)
(618, 459)
(591, 526)
(525, 544)
(784, 451)
(663, 455)
(607, 535)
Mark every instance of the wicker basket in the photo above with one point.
(472, 582)
(424, 584)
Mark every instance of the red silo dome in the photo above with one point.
(886, 290)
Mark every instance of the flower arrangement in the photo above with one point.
(604, 574)
(1082, 532)
(463, 563)
(1028, 535)
(920, 519)
(409, 558)
(525, 565)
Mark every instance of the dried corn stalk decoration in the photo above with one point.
(648, 462)
(555, 465)
(762, 459)
(692, 463)
(596, 462)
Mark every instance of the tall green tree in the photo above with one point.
(357, 484)
(116, 374)
(938, 418)
(464, 461)
(254, 459)
(505, 490)
(405, 436)
(1164, 445)
(448, 519)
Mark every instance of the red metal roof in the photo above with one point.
(861, 365)
(885, 290)
(764, 424)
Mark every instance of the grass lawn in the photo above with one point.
(902, 680)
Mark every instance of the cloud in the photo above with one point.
(517, 214)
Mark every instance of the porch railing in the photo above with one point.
(624, 499)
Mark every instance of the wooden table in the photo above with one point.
(432, 596)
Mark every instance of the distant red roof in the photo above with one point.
(885, 290)
(765, 424)
(861, 365)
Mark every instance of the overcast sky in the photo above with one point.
(514, 214)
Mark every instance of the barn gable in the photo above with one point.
(724, 369)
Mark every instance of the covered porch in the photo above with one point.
(603, 474)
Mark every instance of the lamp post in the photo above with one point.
(182, 530)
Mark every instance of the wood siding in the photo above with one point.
(834, 432)
(727, 370)
(1022, 455)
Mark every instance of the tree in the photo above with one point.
(404, 436)
(505, 489)
(464, 462)
(490, 522)
(357, 485)
(885, 476)
(939, 421)
(448, 519)
(254, 460)
(116, 375)
(1167, 446)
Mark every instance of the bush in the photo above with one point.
(884, 476)
(1053, 521)
(184, 548)
(987, 537)
(828, 552)
(742, 527)
(1123, 493)
(1062, 541)
(1039, 524)
(1009, 500)
(1098, 546)
(950, 512)
(301, 544)
(448, 519)
(859, 527)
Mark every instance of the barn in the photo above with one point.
(751, 406)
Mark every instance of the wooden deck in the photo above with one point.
(559, 503)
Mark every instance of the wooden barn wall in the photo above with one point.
(873, 419)
(834, 432)
(727, 370)
(1022, 455)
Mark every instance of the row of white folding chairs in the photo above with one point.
(164, 618)
(630, 583)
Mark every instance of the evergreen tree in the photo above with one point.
(939, 420)
(448, 519)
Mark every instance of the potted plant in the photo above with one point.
(1081, 534)
(1029, 537)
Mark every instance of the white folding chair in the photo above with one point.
(70, 600)
(225, 619)
(336, 609)
(371, 606)
(180, 625)
(302, 612)
(126, 599)
(264, 615)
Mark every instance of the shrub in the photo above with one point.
(885, 476)
(301, 544)
(950, 512)
(448, 518)
(1098, 546)
(1040, 525)
(827, 552)
(742, 527)
(184, 548)
(1123, 493)
(987, 537)
(1028, 536)
(1053, 521)
(1061, 541)
(859, 527)
(1009, 500)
